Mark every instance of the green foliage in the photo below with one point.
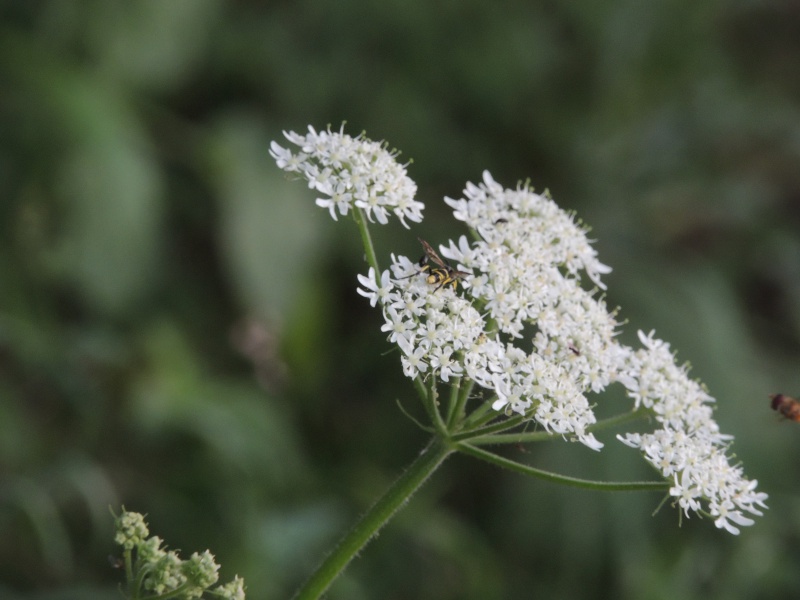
(180, 332)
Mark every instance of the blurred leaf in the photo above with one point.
(269, 226)
(111, 238)
(107, 182)
(282, 546)
(155, 45)
(47, 528)
(242, 429)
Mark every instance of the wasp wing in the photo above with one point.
(431, 253)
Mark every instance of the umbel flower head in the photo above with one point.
(351, 172)
(688, 448)
(525, 272)
(531, 329)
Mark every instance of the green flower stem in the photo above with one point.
(632, 415)
(138, 584)
(478, 417)
(484, 432)
(431, 403)
(541, 436)
(452, 403)
(127, 555)
(467, 385)
(510, 438)
(176, 593)
(464, 390)
(422, 391)
(608, 486)
(485, 414)
(366, 239)
(375, 518)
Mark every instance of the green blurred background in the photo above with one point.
(180, 331)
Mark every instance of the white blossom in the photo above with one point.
(351, 173)
(524, 271)
(688, 447)
(531, 328)
(372, 290)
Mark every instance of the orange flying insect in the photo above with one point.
(787, 406)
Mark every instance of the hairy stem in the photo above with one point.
(374, 519)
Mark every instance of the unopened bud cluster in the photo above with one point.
(159, 572)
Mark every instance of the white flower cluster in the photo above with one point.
(351, 172)
(689, 448)
(525, 282)
(528, 265)
(525, 271)
(526, 329)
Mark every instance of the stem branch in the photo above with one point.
(587, 484)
